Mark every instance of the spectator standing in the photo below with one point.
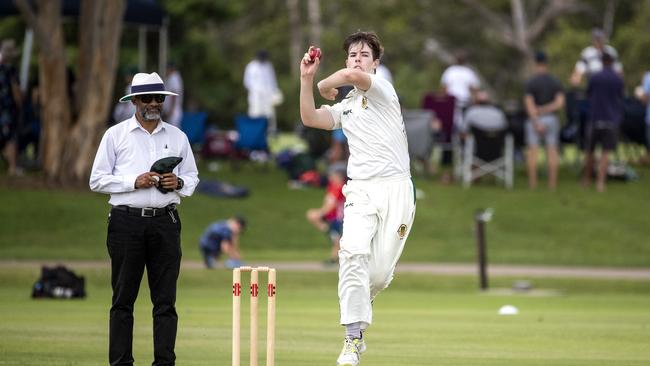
(144, 227)
(173, 109)
(460, 81)
(605, 93)
(222, 237)
(30, 134)
(590, 61)
(380, 199)
(263, 91)
(645, 98)
(543, 98)
(10, 105)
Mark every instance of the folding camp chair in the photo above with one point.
(193, 124)
(252, 139)
(419, 133)
(488, 152)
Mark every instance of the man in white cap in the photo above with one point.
(144, 226)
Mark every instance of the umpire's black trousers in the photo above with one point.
(133, 243)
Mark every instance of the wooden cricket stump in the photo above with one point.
(270, 314)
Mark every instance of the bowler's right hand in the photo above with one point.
(308, 67)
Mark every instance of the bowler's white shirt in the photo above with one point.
(372, 122)
(128, 150)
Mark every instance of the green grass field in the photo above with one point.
(420, 321)
(573, 226)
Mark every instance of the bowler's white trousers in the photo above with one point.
(377, 220)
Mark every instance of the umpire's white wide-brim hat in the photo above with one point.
(144, 83)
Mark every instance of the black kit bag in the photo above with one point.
(59, 282)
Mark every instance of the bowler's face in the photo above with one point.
(360, 58)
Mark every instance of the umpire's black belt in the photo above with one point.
(146, 211)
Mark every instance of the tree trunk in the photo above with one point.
(53, 84)
(315, 25)
(295, 28)
(520, 28)
(67, 149)
(98, 56)
(608, 18)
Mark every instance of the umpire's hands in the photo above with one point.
(169, 181)
(147, 180)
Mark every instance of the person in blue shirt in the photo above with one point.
(645, 98)
(605, 92)
(222, 237)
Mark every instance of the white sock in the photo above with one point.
(353, 330)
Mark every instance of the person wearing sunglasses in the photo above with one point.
(144, 225)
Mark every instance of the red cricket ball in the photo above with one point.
(313, 53)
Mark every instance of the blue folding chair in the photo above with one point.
(193, 124)
(252, 134)
(251, 143)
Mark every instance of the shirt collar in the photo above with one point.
(134, 124)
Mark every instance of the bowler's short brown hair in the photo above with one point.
(369, 38)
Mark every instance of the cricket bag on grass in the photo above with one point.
(59, 282)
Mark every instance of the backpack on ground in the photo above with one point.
(59, 282)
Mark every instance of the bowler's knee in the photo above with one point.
(378, 283)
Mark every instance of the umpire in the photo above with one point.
(144, 226)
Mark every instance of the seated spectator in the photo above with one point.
(443, 107)
(483, 115)
(328, 218)
(543, 98)
(222, 237)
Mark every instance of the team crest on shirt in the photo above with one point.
(401, 231)
(364, 102)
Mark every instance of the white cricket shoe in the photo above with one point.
(351, 352)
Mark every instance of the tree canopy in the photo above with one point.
(212, 41)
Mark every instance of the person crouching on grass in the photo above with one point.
(380, 196)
